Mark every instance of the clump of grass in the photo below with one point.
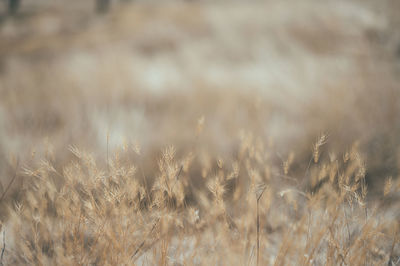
(86, 213)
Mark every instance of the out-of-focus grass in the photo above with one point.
(241, 91)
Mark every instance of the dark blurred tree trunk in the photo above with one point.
(13, 6)
(102, 6)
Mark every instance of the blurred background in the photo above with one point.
(104, 75)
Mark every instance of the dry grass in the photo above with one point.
(86, 214)
(200, 134)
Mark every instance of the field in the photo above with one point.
(200, 133)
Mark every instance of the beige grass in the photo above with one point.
(86, 214)
(200, 133)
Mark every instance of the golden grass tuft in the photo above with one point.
(86, 214)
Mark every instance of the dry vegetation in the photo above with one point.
(200, 133)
